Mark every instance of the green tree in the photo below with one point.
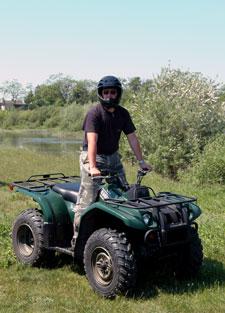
(12, 89)
(80, 92)
(92, 90)
(29, 98)
(221, 94)
(210, 166)
(65, 84)
(135, 84)
(177, 118)
(47, 95)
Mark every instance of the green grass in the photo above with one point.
(64, 288)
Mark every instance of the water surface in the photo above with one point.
(40, 141)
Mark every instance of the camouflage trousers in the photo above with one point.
(89, 188)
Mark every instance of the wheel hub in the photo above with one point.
(102, 266)
(25, 240)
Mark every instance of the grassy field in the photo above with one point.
(64, 288)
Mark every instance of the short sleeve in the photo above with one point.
(128, 124)
(91, 122)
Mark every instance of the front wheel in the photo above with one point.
(190, 257)
(109, 263)
(28, 238)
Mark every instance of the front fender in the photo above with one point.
(130, 217)
(194, 210)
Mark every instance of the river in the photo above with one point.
(40, 141)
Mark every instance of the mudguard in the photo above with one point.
(130, 217)
(52, 205)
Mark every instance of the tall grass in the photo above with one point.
(64, 287)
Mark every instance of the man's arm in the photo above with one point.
(135, 146)
(92, 151)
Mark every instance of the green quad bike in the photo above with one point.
(124, 227)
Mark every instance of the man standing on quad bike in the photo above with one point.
(102, 127)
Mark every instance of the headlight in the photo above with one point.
(147, 219)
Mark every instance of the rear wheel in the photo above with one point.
(109, 263)
(28, 238)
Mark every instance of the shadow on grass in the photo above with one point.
(60, 260)
(149, 284)
(152, 281)
(3, 183)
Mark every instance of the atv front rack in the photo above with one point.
(42, 182)
(161, 200)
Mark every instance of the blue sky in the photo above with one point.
(89, 39)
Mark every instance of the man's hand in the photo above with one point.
(135, 146)
(145, 166)
(94, 171)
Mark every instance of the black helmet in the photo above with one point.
(109, 82)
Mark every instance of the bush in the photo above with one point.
(72, 117)
(54, 119)
(69, 118)
(11, 119)
(176, 118)
(210, 166)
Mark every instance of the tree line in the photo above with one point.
(61, 90)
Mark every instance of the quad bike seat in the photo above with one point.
(68, 191)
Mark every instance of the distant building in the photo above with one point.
(9, 104)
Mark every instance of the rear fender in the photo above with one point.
(52, 204)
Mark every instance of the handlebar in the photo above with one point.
(143, 172)
(140, 174)
(109, 175)
(104, 174)
(101, 176)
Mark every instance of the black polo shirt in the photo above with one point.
(108, 126)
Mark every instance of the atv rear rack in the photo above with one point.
(43, 182)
